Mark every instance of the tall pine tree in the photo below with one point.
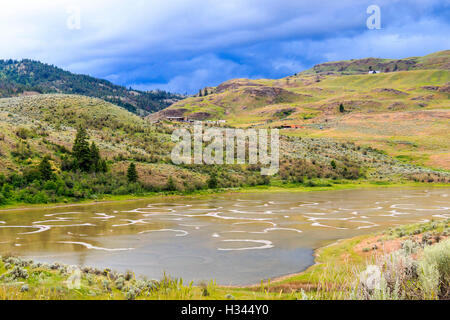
(171, 184)
(45, 169)
(95, 158)
(132, 174)
(212, 181)
(81, 150)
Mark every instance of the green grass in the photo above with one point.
(391, 111)
(275, 186)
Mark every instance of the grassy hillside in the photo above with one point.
(33, 127)
(28, 77)
(405, 113)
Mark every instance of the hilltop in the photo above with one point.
(438, 60)
(405, 112)
(28, 77)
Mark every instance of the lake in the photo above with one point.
(236, 239)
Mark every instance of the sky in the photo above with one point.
(184, 45)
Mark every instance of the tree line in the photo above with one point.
(84, 174)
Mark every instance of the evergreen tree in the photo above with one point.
(341, 108)
(333, 164)
(132, 174)
(103, 166)
(95, 158)
(3, 199)
(171, 185)
(81, 150)
(45, 169)
(212, 182)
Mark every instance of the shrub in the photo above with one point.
(333, 164)
(23, 133)
(106, 285)
(19, 273)
(212, 181)
(132, 174)
(3, 199)
(131, 294)
(400, 276)
(45, 169)
(410, 247)
(120, 283)
(435, 270)
(171, 185)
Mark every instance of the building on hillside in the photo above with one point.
(187, 120)
(177, 119)
(291, 126)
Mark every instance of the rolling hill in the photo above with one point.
(342, 121)
(32, 127)
(438, 60)
(28, 77)
(405, 112)
(39, 126)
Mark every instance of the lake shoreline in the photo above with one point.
(206, 193)
(105, 282)
(279, 279)
(279, 276)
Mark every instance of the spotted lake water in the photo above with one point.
(234, 239)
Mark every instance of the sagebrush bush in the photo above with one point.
(401, 275)
(435, 269)
(18, 273)
(410, 247)
(394, 280)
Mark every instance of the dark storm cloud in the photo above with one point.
(184, 45)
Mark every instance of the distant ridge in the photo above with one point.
(27, 77)
(438, 60)
(402, 109)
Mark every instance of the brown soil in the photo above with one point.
(385, 246)
(445, 88)
(297, 286)
(199, 116)
(389, 90)
(440, 161)
(235, 84)
(431, 88)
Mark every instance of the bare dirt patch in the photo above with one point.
(389, 90)
(377, 245)
(441, 160)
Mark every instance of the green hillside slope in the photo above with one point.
(406, 113)
(34, 128)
